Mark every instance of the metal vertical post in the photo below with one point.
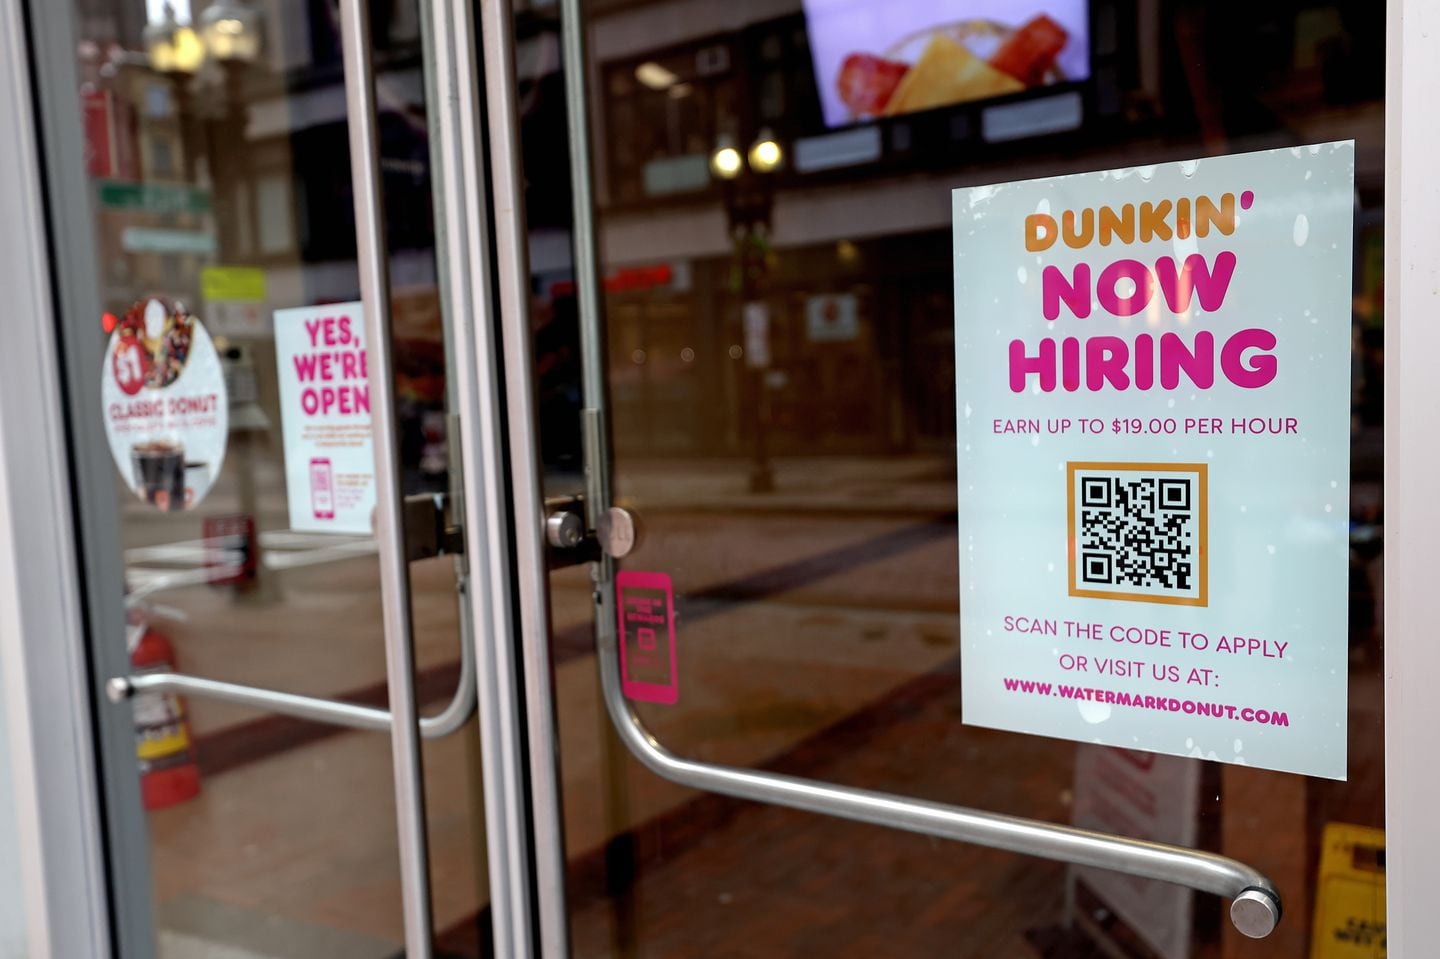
(372, 256)
(595, 426)
(524, 829)
(587, 276)
(532, 584)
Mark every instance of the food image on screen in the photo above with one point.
(877, 58)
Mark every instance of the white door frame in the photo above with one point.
(1412, 476)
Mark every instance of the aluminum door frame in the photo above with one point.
(514, 393)
(95, 549)
(97, 851)
(51, 774)
(520, 759)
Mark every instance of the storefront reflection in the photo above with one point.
(217, 147)
(817, 613)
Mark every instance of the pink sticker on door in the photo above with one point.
(645, 606)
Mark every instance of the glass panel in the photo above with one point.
(781, 375)
(243, 480)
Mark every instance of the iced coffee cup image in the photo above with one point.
(160, 473)
(197, 476)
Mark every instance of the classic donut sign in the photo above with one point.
(166, 412)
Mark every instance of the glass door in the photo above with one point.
(773, 329)
(295, 563)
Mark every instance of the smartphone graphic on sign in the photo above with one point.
(322, 488)
(645, 606)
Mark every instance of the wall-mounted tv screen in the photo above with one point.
(878, 58)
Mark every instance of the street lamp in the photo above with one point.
(231, 31)
(160, 42)
(765, 153)
(172, 46)
(748, 185)
(765, 156)
(726, 162)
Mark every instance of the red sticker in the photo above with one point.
(645, 605)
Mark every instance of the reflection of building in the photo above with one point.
(227, 186)
(263, 148)
(860, 212)
(863, 212)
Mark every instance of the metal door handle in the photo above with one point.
(1255, 903)
(428, 533)
(316, 708)
(373, 259)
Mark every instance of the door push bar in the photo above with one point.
(429, 531)
(1255, 903)
(315, 708)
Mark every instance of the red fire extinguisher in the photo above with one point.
(164, 748)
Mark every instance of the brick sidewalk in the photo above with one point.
(827, 484)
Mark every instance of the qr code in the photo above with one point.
(1138, 532)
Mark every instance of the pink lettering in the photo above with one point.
(1199, 364)
(1262, 366)
(344, 400)
(305, 364)
(1075, 293)
(1195, 277)
(1178, 283)
(1137, 299)
(1021, 365)
(1070, 363)
(1144, 361)
(1105, 358)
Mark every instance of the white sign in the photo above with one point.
(166, 415)
(234, 300)
(832, 318)
(230, 318)
(325, 407)
(756, 320)
(1153, 399)
(1143, 796)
